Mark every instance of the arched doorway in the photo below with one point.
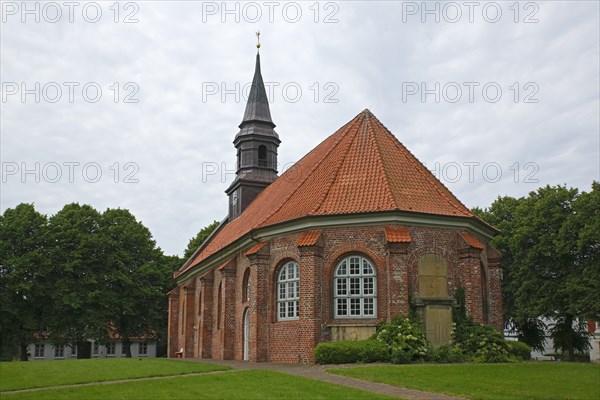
(246, 334)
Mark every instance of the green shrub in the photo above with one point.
(481, 343)
(356, 351)
(404, 339)
(519, 349)
(446, 354)
(577, 357)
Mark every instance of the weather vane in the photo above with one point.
(258, 39)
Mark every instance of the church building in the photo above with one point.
(357, 232)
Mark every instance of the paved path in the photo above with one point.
(318, 372)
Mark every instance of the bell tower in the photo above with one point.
(256, 145)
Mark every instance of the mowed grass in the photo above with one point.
(490, 381)
(253, 384)
(32, 374)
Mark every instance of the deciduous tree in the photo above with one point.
(23, 271)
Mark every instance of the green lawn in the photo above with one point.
(254, 384)
(31, 374)
(490, 381)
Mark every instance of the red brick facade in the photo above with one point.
(206, 313)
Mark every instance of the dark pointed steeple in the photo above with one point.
(256, 144)
(257, 108)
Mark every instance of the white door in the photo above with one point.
(246, 333)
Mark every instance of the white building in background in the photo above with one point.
(595, 342)
(593, 329)
(44, 350)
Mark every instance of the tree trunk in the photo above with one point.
(127, 345)
(24, 355)
(570, 348)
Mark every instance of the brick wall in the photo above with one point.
(221, 334)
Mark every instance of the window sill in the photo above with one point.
(355, 318)
(350, 323)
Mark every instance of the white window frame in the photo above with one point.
(343, 278)
(287, 298)
(74, 351)
(38, 350)
(111, 349)
(143, 346)
(59, 351)
(95, 349)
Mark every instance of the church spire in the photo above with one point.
(256, 145)
(257, 108)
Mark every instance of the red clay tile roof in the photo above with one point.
(255, 249)
(472, 240)
(397, 234)
(308, 238)
(361, 168)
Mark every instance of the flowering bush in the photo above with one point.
(405, 340)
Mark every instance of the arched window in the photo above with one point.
(262, 155)
(355, 288)
(288, 291)
(246, 286)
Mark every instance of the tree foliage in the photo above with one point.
(23, 271)
(550, 243)
(80, 275)
(137, 278)
(197, 240)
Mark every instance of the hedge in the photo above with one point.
(519, 349)
(355, 351)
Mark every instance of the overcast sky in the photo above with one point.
(517, 90)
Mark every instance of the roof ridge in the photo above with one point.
(314, 167)
(343, 175)
(431, 179)
(339, 165)
(383, 167)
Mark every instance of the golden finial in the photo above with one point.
(258, 39)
